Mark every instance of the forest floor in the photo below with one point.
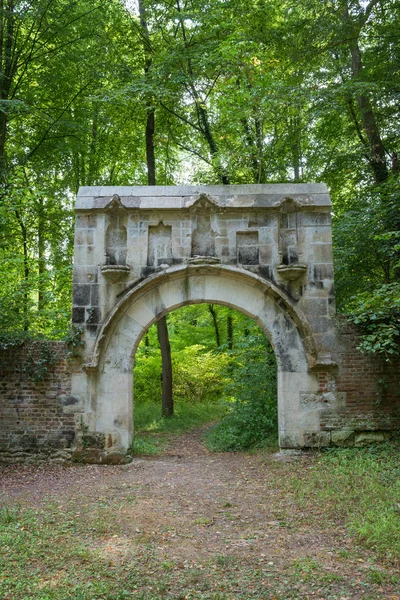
(186, 524)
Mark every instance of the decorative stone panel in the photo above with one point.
(160, 245)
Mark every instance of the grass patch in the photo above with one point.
(153, 431)
(360, 487)
(49, 555)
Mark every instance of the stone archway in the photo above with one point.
(221, 244)
(111, 372)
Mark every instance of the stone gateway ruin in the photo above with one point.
(265, 250)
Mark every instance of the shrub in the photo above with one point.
(252, 418)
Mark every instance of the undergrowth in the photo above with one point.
(252, 419)
(247, 425)
(360, 487)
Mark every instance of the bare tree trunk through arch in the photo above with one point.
(229, 327)
(167, 406)
(213, 314)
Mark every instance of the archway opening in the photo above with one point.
(224, 381)
(110, 373)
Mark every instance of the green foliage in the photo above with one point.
(8, 341)
(252, 418)
(378, 315)
(232, 103)
(27, 354)
(366, 235)
(238, 384)
(38, 360)
(199, 376)
(73, 341)
(199, 371)
(35, 252)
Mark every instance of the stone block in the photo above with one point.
(323, 271)
(85, 255)
(343, 437)
(317, 439)
(84, 274)
(68, 400)
(369, 437)
(288, 440)
(93, 315)
(91, 329)
(84, 237)
(94, 295)
(85, 221)
(267, 235)
(78, 314)
(247, 247)
(322, 253)
(266, 253)
(248, 255)
(221, 241)
(315, 219)
(265, 271)
(321, 235)
(315, 306)
(320, 324)
(81, 294)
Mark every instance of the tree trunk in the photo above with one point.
(229, 324)
(146, 344)
(167, 398)
(150, 154)
(162, 328)
(41, 256)
(213, 313)
(92, 155)
(296, 146)
(255, 167)
(24, 237)
(377, 153)
(377, 150)
(7, 67)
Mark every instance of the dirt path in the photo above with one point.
(198, 513)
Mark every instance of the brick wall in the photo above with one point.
(35, 417)
(371, 385)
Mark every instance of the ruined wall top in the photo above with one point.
(181, 197)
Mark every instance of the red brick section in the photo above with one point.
(32, 414)
(372, 387)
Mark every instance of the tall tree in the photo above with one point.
(167, 403)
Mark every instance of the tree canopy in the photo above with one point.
(242, 92)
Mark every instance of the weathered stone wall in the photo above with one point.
(36, 418)
(370, 387)
(279, 232)
(263, 249)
